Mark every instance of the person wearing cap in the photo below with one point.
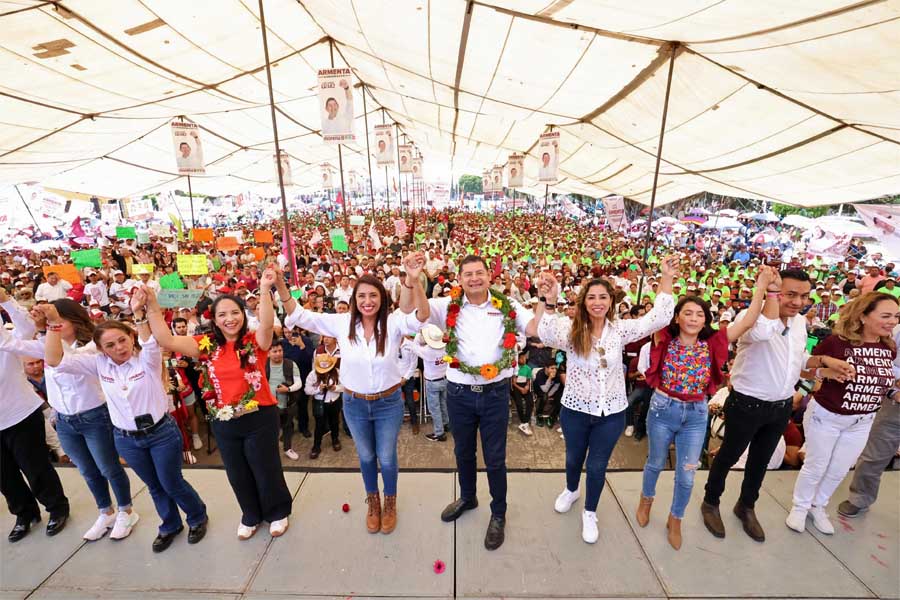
(323, 386)
(97, 289)
(369, 337)
(429, 345)
(825, 308)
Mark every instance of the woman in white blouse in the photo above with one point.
(594, 401)
(369, 337)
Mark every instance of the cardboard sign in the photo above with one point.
(143, 237)
(141, 268)
(357, 220)
(202, 235)
(171, 298)
(258, 253)
(87, 258)
(126, 233)
(338, 240)
(68, 272)
(192, 264)
(171, 282)
(160, 230)
(227, 244)
(263, 237)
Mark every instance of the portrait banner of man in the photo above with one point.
(417, 166)
(326, 177)
(384, 145)
(188, 148)
(405, 158)
(336, 105)
(548, 153)
(497, 179)
(285, 165)
(515, 171)
(486, 185)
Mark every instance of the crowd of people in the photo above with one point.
(796, 355)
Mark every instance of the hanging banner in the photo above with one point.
(188, 149)
(548, 152)
(486, 182)
(883, 220)
(417, 167)
(497, 179)
(285, 165)
(352, 180)
(327, 183)
(405, 158)
(53, 206)
(336, 105)
(109, 213)
(828, 245)
(614, 206)
(515, 171)
(139, 210)
(384, 145)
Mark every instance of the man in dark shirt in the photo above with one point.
(299, 348)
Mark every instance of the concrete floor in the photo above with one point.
(328, 553)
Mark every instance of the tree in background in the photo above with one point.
(470, 184)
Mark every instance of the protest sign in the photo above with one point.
(202, 235)
(192, 264)
(87, 258)
(126, 233)
(338, 240)
(227, 244)
(263, 237)
(171, 282)
(175, 298)
(68, 272)
(141, 268)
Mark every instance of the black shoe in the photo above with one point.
(336, 446)
(164, 540)
(639, 435)
(314, 453)
(436, 438)
(305, 433)
(195, 534)
(494, 537)
(21, 529)
(458, 507)
(56, 524)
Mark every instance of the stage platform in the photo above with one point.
(328, 554)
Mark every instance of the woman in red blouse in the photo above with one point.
(686, 361)
(244, 414)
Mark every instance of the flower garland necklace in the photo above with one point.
(507, 343)
(209, 352)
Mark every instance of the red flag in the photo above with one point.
(339, 199)
(77, 231)
(287, 248)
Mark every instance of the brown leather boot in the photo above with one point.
(643, 511)
(373, 517)
(674, 527)
(389, 516)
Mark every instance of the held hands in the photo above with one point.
(138, 299)
(840, 370)
(269, 278)
(47, 312)
(548, 287)
(150, 301)
(413, 264)
(669, 266)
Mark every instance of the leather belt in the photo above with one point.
(139, 433)
(373, 397)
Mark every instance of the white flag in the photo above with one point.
(316, 238)
(373, 235)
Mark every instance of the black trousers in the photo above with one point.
(286, 417)
(524, 404)
(302, 411)
(329, 419)
(23, 450)
(249, 448)
(547, 406)
(748, 422)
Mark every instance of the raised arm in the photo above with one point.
(24, 325)
(548, 289)
(146, 308)
(53, 349)
(266, 310)
(413, 297)
(767, 277)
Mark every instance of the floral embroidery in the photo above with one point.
(686, 369)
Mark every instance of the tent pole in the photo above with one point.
(662, 133)
(284, 216)
(347, 231)
(399, 181)
(191, 196)
(387, 188)
(368, 154)
(544, 226)
(28, 209)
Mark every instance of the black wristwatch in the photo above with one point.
(543, 300)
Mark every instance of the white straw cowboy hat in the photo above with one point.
(433, 336)
(324, 363)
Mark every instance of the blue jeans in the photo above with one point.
(685, 423)
(487, 411)
(156, 458)
(436, 396)
(374, 426)
(87, 439)
(594, 438)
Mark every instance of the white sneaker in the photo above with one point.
(277, 528)
(291, 454)
(629, 431)
(559, 429)
(821, 520)
(796, 520)
(103, 523)
(562, 437)
(565, 500)
(526, 429)
(198, 443)
(125, 522)
(244, 532)
(589, 531)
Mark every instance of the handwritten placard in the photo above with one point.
(227, 244)
(87, 258)
(178, 298)
(263, 237)
(68, 272)
(192, 264)
(171, 282)
(202, 235)
(141, 268)
(126, 233)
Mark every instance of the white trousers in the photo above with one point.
(833, 443)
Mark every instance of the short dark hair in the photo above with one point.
(178, 320)
(473, 258)
(796, 274)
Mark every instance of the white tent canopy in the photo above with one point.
(796, 102)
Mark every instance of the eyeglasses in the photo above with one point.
(602, 352)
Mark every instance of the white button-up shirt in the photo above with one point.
(479, 333)
(767, 364)
(48, 292)
(362, 369)
(133, 388)
(589, 387)
(19, 398)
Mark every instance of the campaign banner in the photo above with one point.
(883, 220)
(515, 171)
(336, 105)
(614, 207)
(548, 153)
(405, 158)
(352, 180)
(497, 179)
(139, 210)
(384, 145)
(417, 166)
(486, 183)
(109, 213)
(188, 148)
(284, 164)
(53, 206)
(829, 245)
(174, 298)
(327, 182)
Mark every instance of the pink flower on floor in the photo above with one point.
(345, 507)
(439, 566)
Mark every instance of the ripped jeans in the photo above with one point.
(684, 423)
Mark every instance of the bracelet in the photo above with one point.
(140, 321)
(54, 327)
(409, 287)
(550, 305)
(283, 301)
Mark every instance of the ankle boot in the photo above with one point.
(389, 516)
(674, 527)
(643, 511)
(373, 517)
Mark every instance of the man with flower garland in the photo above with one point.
(481, 326)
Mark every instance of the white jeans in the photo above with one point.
(833, 443)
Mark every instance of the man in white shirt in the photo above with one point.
(429, 346)
(54, 288)
(96, 289)
(344, 291)
(475, 403)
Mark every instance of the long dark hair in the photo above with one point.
(707, 331)
(76, 314)
(217, 333)
(380, 318)
(581, 323)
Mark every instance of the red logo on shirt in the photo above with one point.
(495, 314)
(136, 376)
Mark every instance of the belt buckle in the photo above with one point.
(477, 388)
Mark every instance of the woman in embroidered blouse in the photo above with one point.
(594, 401)
(369, 337)
(245, 415)
(686, 361)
